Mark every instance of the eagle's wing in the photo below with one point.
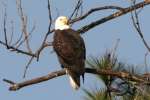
(69, 45)
(70, 49)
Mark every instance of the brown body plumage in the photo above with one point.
(70, 49)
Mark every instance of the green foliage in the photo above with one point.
(96, 94)
(116, 87)
(107, 61)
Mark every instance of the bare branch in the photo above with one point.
(5, 31)
(8, 81)
(93, 10)
(12, 48)
(31, 59)
(21, 42)
(12, 33)
(124, 75)
(112, 16)
(48, 32)
(24, 24)
(145, 62)
(17, 50)
(45, 44)
(136, 24)
(76, 9)
(17, 86)
(27, 66)
(18, 40)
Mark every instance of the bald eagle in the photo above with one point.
(70, 49)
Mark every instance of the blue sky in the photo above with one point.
(97, 40)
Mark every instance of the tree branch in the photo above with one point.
(44, 44)
(136, 24)
(23, 18)
(17, 86)
(112, 16)
(5, 31)
(17, 50)
(76, 9)
(95, 10)
(125, 75)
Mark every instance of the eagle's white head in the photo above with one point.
(62, 23)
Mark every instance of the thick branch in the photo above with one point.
(16, 86)
(112, 16)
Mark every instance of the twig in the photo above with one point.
(8, 81)
(23, 18)
(5, 31)
(124, 75)
(12, 33)
(42, 47)
(31, 59)
(27, 66)
(17, 50)
(48, 32)
(76, 9)
(30, 33)
(136, 24)
(145, 62)
(18, 40)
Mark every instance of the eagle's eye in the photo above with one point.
(61, 19)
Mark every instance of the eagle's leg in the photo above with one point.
(83, 78)
(62, 66)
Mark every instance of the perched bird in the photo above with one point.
(70, 49)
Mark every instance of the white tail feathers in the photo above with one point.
(74, 79)
(73, 83)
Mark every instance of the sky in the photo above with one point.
(97, 40)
